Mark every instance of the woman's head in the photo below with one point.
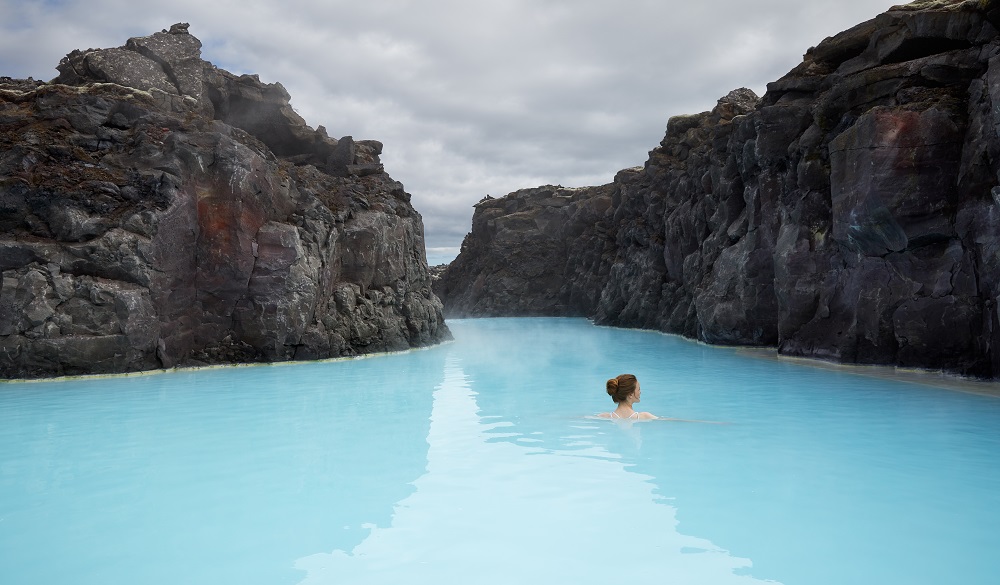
(621, 387)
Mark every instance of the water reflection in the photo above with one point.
(814, 466)
(211, 476)
(505, 511)
(476, 461)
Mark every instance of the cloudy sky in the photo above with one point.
(469, 97)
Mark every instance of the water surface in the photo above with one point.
(476, 461)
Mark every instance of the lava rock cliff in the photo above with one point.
(852, 213)
(157, 211)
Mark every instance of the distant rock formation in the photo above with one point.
(533, 252)
(851, 214)
(158, 211)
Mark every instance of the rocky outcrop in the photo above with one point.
(158, 211)
(850, 214)
(530, 253)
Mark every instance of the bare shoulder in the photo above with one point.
(647, 416)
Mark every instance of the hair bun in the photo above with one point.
(621, 387)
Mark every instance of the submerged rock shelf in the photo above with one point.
(851, 214)
(157, 211)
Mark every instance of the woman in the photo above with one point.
(624, 390)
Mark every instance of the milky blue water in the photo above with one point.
(476, 462)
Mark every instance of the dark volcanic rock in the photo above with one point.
(850, 214)
(157, 211)
(527, 255)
